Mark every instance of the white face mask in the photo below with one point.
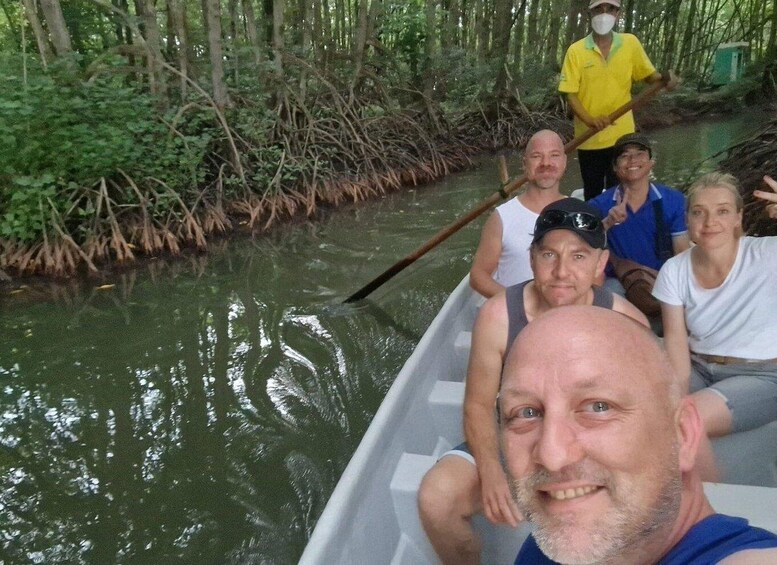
(603, 23)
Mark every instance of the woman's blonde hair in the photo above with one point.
(715, 180)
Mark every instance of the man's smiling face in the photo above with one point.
(589, 441)
(633, 164)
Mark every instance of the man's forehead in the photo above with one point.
(564, 237)
(574, 376)
(550, 145)
(585, 338)
(567, 358)
(528, 383)
(547, 141)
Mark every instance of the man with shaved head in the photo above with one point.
(502, 257)
(600, 449)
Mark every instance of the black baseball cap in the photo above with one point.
(573, 215)
(632, 139)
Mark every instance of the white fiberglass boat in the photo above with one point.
(372, 517)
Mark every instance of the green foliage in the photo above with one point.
(538, 86)
(28, 201)
(83, 141)
(60, 136)
(74, 132)
(10, 17)
(404, 33)
(466, 82)
(89, 30)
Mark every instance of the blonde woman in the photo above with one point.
(719, 308)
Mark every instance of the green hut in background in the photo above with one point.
(730, 60)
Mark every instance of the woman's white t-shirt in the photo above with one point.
(738, 318)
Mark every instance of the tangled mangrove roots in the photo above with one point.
(314, 147)
(749, 161)
(116, 233)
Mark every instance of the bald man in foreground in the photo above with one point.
(600, 449)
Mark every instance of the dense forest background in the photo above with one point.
(140, 126)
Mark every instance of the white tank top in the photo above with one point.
(517, 228)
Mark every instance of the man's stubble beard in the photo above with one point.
(625, 527)
(546, 184)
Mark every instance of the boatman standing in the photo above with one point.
(568, 253)
(502, 257)
(597, 76)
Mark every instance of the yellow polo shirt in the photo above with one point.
(603, 86)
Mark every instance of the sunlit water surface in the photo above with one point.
(202, 411)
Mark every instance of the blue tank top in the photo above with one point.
(711, 540)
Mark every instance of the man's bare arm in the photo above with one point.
(625, 307)
(481, 276)
(489, 337)
(676, 342)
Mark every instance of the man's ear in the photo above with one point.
(690, 432)
(602, 262)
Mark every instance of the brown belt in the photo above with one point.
(726, 360)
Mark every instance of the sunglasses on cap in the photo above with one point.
(575, 220)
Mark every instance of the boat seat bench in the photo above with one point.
(405, 482)
(445, 404)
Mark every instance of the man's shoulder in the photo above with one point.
(583, 43)
(629, 39)
(494, 310)
(670, 194)
(512, 203)
(752, 557)
(719, 537)
(667, 188)
(605, 200)
(516, 209)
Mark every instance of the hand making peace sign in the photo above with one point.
(771, 209)
(617, 214)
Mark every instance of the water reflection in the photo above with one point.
(196, 416)
(202, 411)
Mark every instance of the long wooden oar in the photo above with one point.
(505, 191)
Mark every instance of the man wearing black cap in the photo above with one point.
(568, 252)
(597, 77)
(645, 220)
